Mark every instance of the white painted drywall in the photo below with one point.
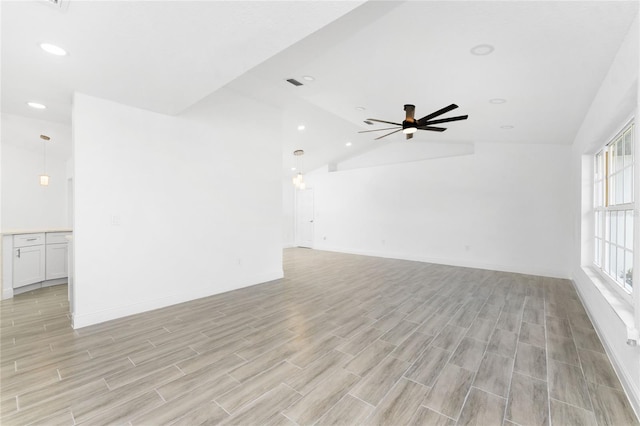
(615, 103)
(504, 207)
(169, 209)
(25, 203)
(288, 213)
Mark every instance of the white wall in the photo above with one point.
(168, 209)
(503, 207)
(288, 213)
(27, 205)
(615, 103)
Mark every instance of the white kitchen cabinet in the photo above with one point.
(29, 261)
(32, 260)
(57, 255)
(56, 261)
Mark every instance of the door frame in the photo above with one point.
(297, 213)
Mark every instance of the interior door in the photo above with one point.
(304, 218)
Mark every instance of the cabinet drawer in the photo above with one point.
(57, 237)
(26, 240)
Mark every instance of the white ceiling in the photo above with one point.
(548, 63)
(157, 55)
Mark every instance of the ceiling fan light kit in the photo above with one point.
(410, 125)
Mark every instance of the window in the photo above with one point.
(613, 208)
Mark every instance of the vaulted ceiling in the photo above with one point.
(367, 59)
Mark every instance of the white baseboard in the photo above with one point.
(523, 269)
(625, 377)
(7, 293)
(26, 288)
(57, 281)
(92, 318)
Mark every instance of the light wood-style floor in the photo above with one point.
(343, 339)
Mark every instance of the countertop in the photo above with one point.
(34, 231)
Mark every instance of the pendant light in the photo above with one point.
(44, 177)
(298, 179)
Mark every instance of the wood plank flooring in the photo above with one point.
(341, 340)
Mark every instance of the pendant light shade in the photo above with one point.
(44, 178)
(298, 179)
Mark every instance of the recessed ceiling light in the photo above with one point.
(348, 144)
(36, 105)
(506, 127)
(482, 49)
(293, 169)
(360, 108)
(308, 78)
(301, 127)
(497, 101)
(53, 49)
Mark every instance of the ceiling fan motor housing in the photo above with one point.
(410, 110)
(409, 121)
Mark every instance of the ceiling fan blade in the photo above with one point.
(445, 120)
(433, 129)
(384, 136)
(409, 135)
(437, 113)
(382, 121)
(410, 110)
(377, 130)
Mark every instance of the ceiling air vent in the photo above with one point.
(294, 82)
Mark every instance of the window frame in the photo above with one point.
(603, 180)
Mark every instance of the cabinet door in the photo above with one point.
(28, 265)
(56, 261)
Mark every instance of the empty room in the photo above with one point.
(319, 212)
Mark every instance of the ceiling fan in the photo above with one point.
(410, 125)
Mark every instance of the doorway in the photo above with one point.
(304, 218)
